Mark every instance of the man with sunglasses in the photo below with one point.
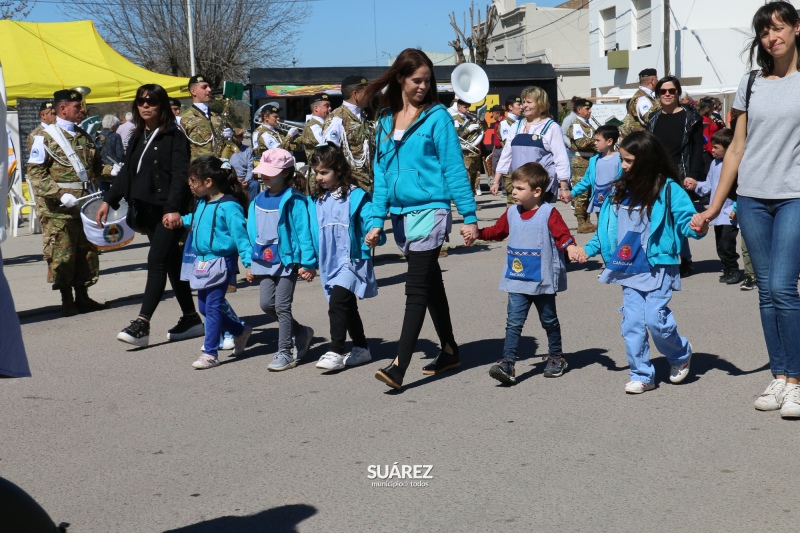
(642, 103)
(203, 127)
(61, 166)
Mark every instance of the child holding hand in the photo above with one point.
(534, 270)
(639, 234)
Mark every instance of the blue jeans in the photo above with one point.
(764, 222)
(647, 310)
(518, 307)
(219, 316)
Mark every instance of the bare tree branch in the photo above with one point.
(17, 9)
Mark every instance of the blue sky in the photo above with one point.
(418, 23)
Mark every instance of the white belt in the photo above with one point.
(586, 154)
(77, 185)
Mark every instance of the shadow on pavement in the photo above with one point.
(22, 259)
(283, 519)
(392, 280)
(702, 363)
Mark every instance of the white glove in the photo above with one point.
(227, 133)
(68, 200)
(473, 127)
(116, 168)
(294, 132)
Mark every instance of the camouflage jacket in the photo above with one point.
(582, 136)
(275, 139)
(356, 132)
(205, 135)
(655, 104)
(308, 140)
(46, 171)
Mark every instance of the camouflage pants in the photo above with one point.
(581, 202)
(72, 260)
(473, 164)
(508, 186)
(363, 178)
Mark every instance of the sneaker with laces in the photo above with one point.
(187, 327)
(282, 361)
(205, 361)
(504, 372)
(678, 373)
(638, 387)
(556, 365)
(790, 406)
(331, 361)
(240, 341)
(772, 397)
(227, 342)
(358, 356)
(303, 342)
(137, 333)
(748, 284)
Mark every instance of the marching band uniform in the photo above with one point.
(313, 134)
(269, 137)
(581, 134)
(348, 128)
(202, 127)
(641, 105)
(471, 160)
(55, 170)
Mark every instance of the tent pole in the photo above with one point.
(191, 37)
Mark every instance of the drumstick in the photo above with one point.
(88, 196)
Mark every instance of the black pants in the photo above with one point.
(726, 237)
(344, 317)
(424, 290)
(163, 261)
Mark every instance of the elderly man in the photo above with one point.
(61, 166)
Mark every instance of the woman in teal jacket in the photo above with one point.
(419, 171)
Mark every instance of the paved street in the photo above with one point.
(115, 439)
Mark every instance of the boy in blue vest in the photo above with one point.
(534, 271)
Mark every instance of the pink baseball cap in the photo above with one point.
(274, 161)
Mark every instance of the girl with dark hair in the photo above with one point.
(153, 182)
(341, 216)
(419, 171)
(768, 192)
(640, 231)
(219, 231)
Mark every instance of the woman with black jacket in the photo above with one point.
(153, 181)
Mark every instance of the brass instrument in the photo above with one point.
(84, 91)
(285, 125)
(229, 147)
(472, 141)
(470, 84)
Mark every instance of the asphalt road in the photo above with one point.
(117, 439)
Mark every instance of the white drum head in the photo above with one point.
(114, 234)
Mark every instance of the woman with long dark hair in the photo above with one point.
(764, 153)
(419, 171)
(153, 181)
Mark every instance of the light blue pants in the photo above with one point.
(643, 311)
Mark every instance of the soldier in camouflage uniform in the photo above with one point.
(581, 135)
(204, 128)
(348, 128)
(47, 115)
(270, 136)
(72, 261)
(466, 127)
(312, 133)
(643, 102)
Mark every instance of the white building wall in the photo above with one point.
(706, 42)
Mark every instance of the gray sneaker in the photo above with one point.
(282, 361)
(303, 342)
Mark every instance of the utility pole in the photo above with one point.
(192, 66)
(667, 66)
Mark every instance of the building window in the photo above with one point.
(642, 13)
(608, 25)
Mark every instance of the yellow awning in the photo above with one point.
(41, 58)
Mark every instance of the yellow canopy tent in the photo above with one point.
(41, 58)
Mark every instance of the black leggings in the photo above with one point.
(424, 290)
(344, 317)
(163, 260)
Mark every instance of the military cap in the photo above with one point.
(320, 97)
(268, 110)
(648, 72)
(67, 95)
(583, 102)
(197, 78)
(463, 102)
(497, 109)
(174, 102)
(354, 80)
(513, 100)
(46, 105)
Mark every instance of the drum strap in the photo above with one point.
(58, 136)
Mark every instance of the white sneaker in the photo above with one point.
(790, 406)
(679, 373)
(227, 343)
(478, 192)
(770, 399)
(638, 387)
(331, 361)
(358, 356)
(205, 361)
(240, 341)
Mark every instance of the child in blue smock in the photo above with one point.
(278, 226)
(219, 232)
(604, 169)
(341, 217)
(641, 227)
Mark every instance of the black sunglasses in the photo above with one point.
(668, 91)
(152, 102)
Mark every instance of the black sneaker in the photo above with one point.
(138, 333)
(686, 268)
(391, 375)
(444, 361)
(188, 327)
(748, 284)
(504, 372)
(556, 365)
(732, 277)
